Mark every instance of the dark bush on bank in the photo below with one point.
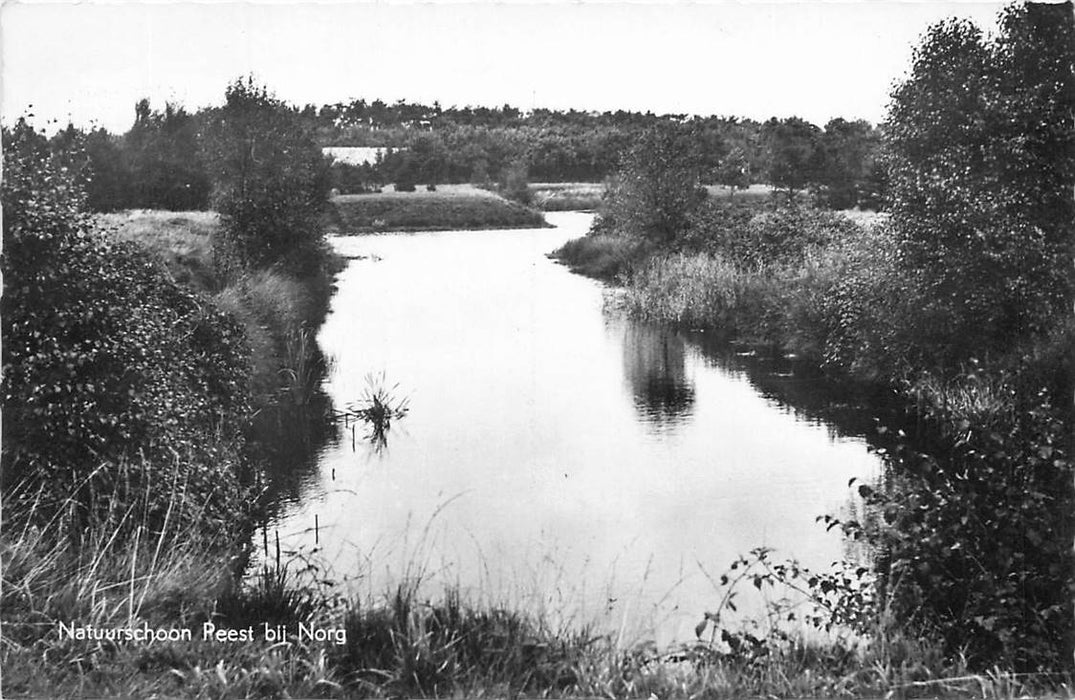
(270, 182)
(106, 360)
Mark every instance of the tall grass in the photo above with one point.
(601, 256)
(399, 644)
(181, 240)
(568, 196)
(700, 290)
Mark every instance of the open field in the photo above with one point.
(448, 208)
(753, 193)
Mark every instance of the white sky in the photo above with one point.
(91, 61)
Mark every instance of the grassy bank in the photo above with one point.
(154, 536)
(401, 644)
(274, 307)
(450, 207)
(567, 196)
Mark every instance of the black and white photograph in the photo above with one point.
(492, 349)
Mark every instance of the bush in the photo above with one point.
(658, 189)
(106, 360)
(271, 182)
(601, 256)
(514, 185)
(982, 161)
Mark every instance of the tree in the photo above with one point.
(514, 182)
(847, 152)
(658, 187)
(164, 161)
(981, 146)
(734, 170)
(270, 181)
(430, 158)
(791, 153)
(109, 183)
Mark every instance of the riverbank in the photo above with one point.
(793, 281)
(448, 208)
(276, 309)
(158, 539)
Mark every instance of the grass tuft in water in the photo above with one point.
(377, 408)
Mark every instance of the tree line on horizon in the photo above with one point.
(160, 162)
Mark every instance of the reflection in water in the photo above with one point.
(289, 439)
(654, 361)
(844, 407)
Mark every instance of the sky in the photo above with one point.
(89, 62)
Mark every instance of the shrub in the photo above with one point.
(270, 181)
(513, 183)
(982, 161)
(974, 541)
(658, 189)
(105, 358)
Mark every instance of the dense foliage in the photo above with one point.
(115, 379)
(270, 181)
(161, 161)
(658, 188)
(982, 161)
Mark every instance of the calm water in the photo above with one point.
(556, 456)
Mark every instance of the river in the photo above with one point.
(556, 457)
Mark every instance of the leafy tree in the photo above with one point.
(406, 171)
(166, 170)
(109, 184)
(982, 163)
(734, 170)
(514, 183)
(792, 153)
(847, 152)
(270, 181)
(431, 158)
(658, 187)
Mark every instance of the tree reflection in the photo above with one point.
(654, 367)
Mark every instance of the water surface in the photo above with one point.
(556, 456)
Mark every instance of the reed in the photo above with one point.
(602, 256)
(378, 406)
